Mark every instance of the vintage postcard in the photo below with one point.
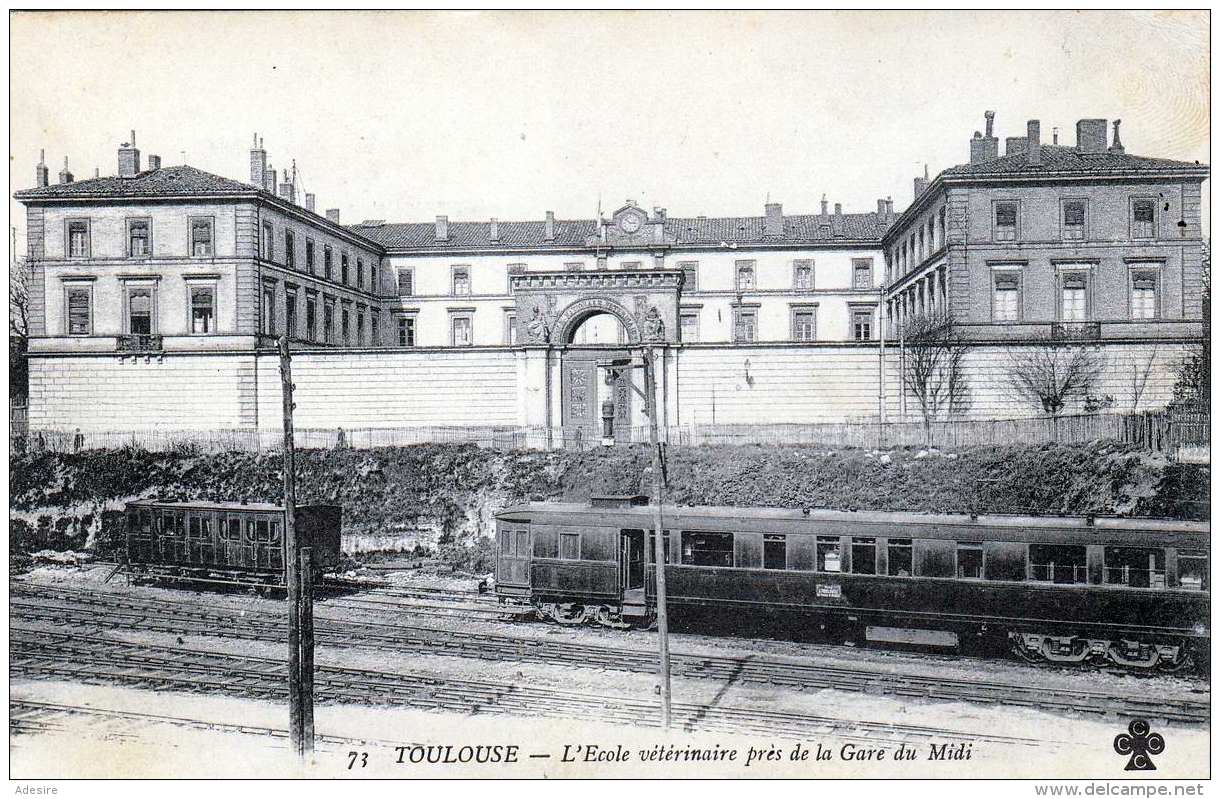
(506, 395)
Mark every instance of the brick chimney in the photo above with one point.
(1091, 135)
(825, 211)
(64, 175)
(921, 184)
(310, 201)
(836, 221)
(549, 231)
(288, 191)
(773, 224)
(270, 178)
(1014, 145)
(258, 163)
(42, 175)
(333, 215)
(442, 228)
(154, 162)
(1033, 142)
(881, 208)
(889, 207)
(494, 233)
(129, 158)
(1117, 145)
(985, 148)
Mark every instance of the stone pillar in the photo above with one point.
(531, 391)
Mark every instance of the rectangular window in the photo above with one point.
(268, 311)
(80, 310)
(1005, 228)
(406, 331)
(745, 275)
(861, 273)
(651, 547)
(374, 329)
(78, 238)
(970, 560)
(359, 328)
(1143, 219)
(804, 324)
(327, 261)
(373, 287)
(345, 327)
(201, 238)
(359, 273)
(1136, 567)
(268, 244)
(311, 317)
(406, 281)
(862, 325)
(290, 249)
(343, 269)
(139, 238)
(510, 329)
(898, 560)
(1006, 297)
(309, 256)
(523, 544)
(203, 309)
(829, 554)
(802, 275)
(1074, 297)
(864, 556)
(569, 546)
(461, 281)
(690, 326)
(775, 552)
(140, 311)
(328, 322)
(461, 333)
(1192, 569)
(745, 326)
(1143, 295)
(1054, 563)
(707, 549)
(290, 314)
(690, 275)
(1073, 219)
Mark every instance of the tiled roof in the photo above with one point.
(1069, 159)
(168, 181)
(746, 230)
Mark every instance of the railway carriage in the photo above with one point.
(225, 542)
(1064, 589)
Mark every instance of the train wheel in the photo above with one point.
(608, 618)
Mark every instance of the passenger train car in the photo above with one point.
(1129, 591)
(225, 542)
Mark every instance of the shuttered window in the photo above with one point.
(1005, 221)
(1073, 219)
(203, 309)
(406, 282)
(80, 311)
(1144, 222)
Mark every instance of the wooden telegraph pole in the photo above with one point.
(300, 597)
(658, 556)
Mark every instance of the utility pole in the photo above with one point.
(300, 599)
(658, 494)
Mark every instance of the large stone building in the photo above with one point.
(156, 295)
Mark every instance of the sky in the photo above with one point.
(403, 116)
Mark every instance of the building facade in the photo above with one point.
(157, 294)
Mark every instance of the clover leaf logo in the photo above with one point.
(1140, 743)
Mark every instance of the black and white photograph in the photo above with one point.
(586, 395)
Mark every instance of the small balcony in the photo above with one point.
(140, 342)
(1076, 331)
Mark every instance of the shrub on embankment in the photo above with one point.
(66, 500)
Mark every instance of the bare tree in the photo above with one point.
(1050, 376)
(932, 369)
(18, 324)
(1139, 378)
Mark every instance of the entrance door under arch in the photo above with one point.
(585, 383)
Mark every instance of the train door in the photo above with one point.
(171, 541)
(265, 538)
(516, 551)
(200, 540)
(139, 535)
(631, 560)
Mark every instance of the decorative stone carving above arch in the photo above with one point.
(551, 305)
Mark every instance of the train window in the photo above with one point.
(1192, 569)
(274, 536)
(569, 546)
(775, 551)
(707, 549)
(523, 543)
(1137, 567)
(899, 560)
(652, 546)
(970, 559)
(1055, 563)
(259, 531)
(232, 530)
(200, 527)
(171, 523)
(864, 556)
(506, 542)
(829, 555)
(142, 522)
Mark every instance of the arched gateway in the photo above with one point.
(569, 374)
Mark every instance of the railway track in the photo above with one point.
(110, 611)
(40, 654)
(29, 717)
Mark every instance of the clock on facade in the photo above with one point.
(629, 223)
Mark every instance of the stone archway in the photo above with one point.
(579, 311)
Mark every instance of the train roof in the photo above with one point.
(202, 504)
(866, 516)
